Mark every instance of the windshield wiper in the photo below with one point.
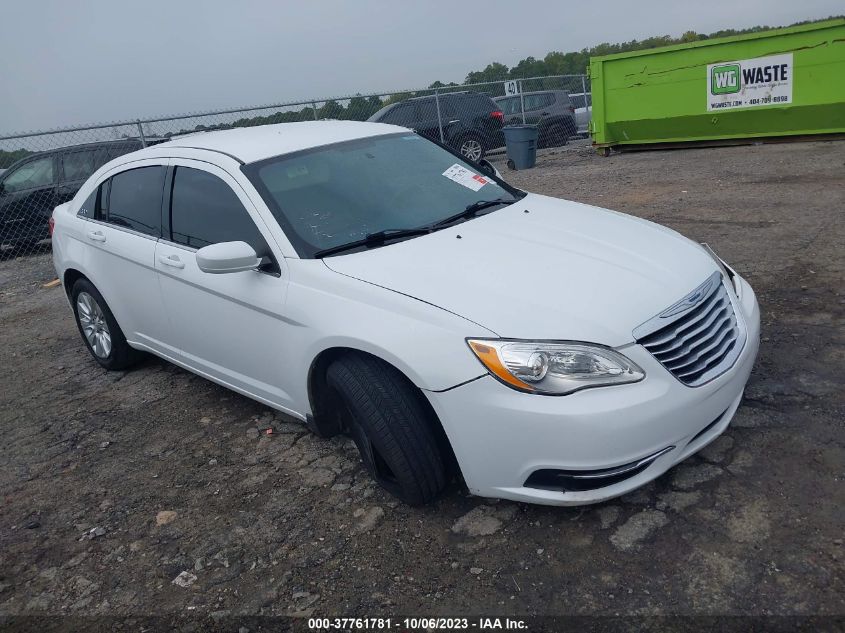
(471, 210)
(377, 238)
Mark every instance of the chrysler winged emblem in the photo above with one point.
(690, 301)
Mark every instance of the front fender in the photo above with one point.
(332, 310)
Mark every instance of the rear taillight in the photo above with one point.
(497, 114)
(52, 224)
(572, 109)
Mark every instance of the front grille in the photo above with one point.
(697, 338)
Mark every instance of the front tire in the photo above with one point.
(99, 329)
(383, 413)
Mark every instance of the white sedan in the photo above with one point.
(367, 281)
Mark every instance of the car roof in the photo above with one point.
(533, 92)
(454, 93)
(96, 144)
(251, 144)
(73, 148)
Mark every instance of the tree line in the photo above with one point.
(360, 108)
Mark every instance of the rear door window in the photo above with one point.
(135, 200)
(426, 110)
(120, 149)
(562, 99)
(78, 165)
(205, 210)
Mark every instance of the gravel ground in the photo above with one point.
(156, 491)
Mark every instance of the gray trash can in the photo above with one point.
(521, 143)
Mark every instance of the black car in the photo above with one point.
(472, 122)
(32, 187)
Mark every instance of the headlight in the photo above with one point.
(554, 368)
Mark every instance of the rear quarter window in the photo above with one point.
(89, 207)
(481, 102)
(509, 106)
(562, 99)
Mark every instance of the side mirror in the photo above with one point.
(227, 257)
(487, 167)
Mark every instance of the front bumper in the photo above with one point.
(501, 437)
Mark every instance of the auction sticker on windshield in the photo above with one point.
(749, 83)
(465, 177)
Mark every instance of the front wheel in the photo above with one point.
(382, 412)
(99, 329)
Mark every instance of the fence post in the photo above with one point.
(584, 87)
(521, 102)
(439, 119)
(314, 105)
(141, 133)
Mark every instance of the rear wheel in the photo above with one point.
(383, 413)
(99, 329)
(471, 147)
(558, 135)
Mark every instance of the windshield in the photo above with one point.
(341, 193)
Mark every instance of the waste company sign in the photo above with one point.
(750, 82)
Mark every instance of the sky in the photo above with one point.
(73, 62)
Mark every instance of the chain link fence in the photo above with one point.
(40, 170)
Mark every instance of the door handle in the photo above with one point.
(96, 236)
(171, 260)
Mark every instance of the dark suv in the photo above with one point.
(551, 111)
(32, 187)
(472, 122)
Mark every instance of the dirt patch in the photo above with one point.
(155, 491)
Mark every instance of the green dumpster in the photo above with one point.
(782, 82)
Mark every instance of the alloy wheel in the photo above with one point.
(471, 148)
(94, 325)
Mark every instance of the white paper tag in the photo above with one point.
(465, 177)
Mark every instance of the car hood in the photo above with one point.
(542, 268)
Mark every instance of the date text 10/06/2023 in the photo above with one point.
(417, 623)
